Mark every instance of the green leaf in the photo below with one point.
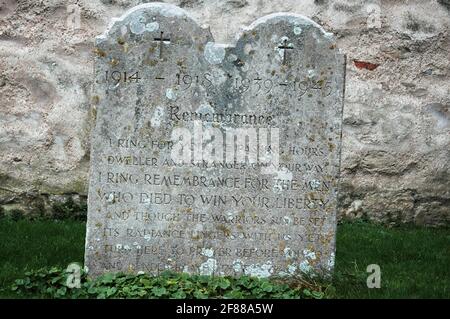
(108, 278)
(159, 291)
(61, 291)
(267, 286)
(111, 291)
(171, 282)
(317, 294)
(199, 294)
(145, 282)
(180, 294)
(92, 290)
(224, 283)
(53, 270)
(307, 292)
(234, 294)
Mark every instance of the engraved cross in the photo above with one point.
(285, 47)
(161, 40)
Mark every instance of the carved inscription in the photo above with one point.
(212, 159)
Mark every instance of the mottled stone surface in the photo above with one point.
(274, 214)
(396, 132)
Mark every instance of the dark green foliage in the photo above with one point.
(37, 211)
(69, 210)
(52, 283)
(16, 214)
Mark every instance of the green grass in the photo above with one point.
(414, 261)
(26, 245)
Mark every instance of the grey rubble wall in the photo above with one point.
(395, 156)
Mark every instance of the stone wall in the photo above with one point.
(396, 140)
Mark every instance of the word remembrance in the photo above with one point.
(214, 159)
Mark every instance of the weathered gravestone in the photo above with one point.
(214, 159)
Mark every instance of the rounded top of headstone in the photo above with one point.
(135, 17)
(297, 21)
